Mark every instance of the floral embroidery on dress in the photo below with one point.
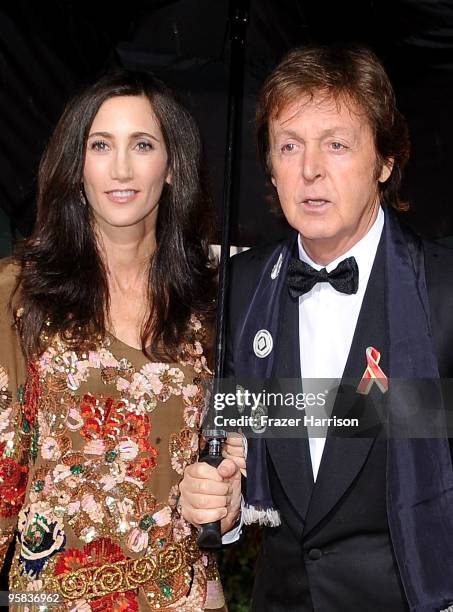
(41, 535)
(93, 465)
(13, 477)
(13, 464)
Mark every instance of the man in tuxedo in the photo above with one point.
(351, 522)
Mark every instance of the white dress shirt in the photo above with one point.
(327, 321)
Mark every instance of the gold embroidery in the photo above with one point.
(164, 576)
(95, 458)
(5, 399)
(183, 447)
(108, 375)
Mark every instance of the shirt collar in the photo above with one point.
(364, 250)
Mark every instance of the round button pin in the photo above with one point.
(262, 343)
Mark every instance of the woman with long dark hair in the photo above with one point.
(105, 328)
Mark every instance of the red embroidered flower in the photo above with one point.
(69, 561)
(107, 419)
(98, 553)
(116, 602)
(140, 467)
(136, 427)
(101, 417)
(13, 481)
(31, 397)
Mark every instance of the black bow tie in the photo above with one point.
(302, 277)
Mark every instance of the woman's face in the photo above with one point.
(125, 163)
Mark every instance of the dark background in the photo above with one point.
(48, 50)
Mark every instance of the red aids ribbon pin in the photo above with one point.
(373, 373)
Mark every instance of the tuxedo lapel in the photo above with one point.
(343, 457)
(291, 456)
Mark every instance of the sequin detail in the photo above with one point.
(96, 435)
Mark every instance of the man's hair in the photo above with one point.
(349, 75)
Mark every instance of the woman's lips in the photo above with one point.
(122, 195)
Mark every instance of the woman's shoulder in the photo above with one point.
(11, 357)
(9, 272)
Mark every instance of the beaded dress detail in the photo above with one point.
(93, 444)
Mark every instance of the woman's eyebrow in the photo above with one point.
(133, 135)
(140, 134)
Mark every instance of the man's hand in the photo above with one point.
(233, 448)
(209, 494)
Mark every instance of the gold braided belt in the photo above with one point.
(165, 576)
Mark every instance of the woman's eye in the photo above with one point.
(144, 146)
(99, 145)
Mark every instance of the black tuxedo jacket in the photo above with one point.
(333, 550)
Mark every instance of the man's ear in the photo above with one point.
(386, 170)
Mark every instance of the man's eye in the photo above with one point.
(337, 146)
(144, 146)
(289, 147)
(99, 145)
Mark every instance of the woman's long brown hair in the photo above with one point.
(62, 285)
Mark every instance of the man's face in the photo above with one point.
(323, 163)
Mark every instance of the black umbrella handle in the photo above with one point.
(209, 537)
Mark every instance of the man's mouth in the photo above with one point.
(315, 202)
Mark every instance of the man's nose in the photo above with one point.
(312, 163)
(121, 167)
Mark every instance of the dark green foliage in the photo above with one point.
(237, 569)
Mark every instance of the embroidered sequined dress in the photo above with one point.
(93, 444)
